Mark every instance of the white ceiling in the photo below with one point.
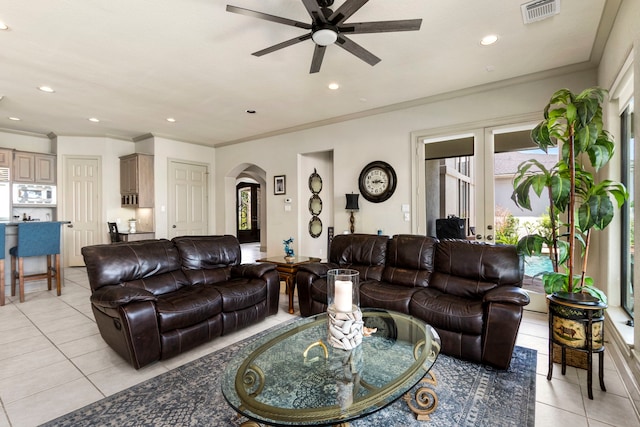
(133, 63)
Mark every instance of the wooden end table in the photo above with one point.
(287, 271)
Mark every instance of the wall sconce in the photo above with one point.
(352, 206)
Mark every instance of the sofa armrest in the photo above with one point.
(255, 271)
(116, 296)
(507, 295)
(317, 268)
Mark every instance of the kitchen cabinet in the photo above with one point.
(37, 168)
(136, 180)
(5, 158)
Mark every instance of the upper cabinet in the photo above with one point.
(5, 158)
(136, 180)
(34, 167)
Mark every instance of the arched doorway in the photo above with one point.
(252, 178)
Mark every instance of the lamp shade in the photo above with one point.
(352, 202)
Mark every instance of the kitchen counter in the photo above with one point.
(125, 236)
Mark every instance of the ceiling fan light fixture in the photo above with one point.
(324, 37)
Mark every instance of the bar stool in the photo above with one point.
(36, 239)
(2, 248)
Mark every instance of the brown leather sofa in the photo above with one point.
(469, 292)
(154, 299)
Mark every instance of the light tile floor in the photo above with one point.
(53, 361)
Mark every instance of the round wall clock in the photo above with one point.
(377, 181)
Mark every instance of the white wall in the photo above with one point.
(25, 142)
(381, 137)
(322, 162)
(623, 41)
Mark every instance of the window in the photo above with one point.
(628, 156)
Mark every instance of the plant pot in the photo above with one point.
(576, 322)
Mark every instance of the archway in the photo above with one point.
(242, 177)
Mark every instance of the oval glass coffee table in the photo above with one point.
(291, 376)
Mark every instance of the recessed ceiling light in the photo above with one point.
(94, 119)
(47, 89)
(171, 120)
(489, 40)
(334, 86)
(3, 26)
(15, 119)
(250, 111)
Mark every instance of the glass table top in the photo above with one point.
(291, 376)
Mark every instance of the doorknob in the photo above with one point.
(174, 226)
(70, 225)
(478, 236)
(489, 237)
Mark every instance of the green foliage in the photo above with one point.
(506, 228)
(573, 123)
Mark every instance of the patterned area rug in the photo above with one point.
(468, 395)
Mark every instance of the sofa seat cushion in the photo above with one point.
(187, 306)
(449, 312)
(242, 293)
(386, 296)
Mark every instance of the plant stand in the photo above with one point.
(576, 322)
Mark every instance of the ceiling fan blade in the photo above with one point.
(282, 45)
(381, 26)
(354, 48)
(345, 11)
(316, 61)
(314, 11)
(267, 17)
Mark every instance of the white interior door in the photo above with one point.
(82, 206)
(188, 211)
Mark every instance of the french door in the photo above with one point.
(469, 174)
(248, 210)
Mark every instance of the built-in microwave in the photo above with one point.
(33, 194)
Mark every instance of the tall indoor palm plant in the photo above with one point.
(573, 123)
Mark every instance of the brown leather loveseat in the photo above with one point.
(469, 292)
(154, 299)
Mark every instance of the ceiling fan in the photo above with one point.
(328, 27)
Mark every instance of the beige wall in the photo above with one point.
(381, 137)
(623, 42)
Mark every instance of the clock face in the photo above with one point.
(377, 181)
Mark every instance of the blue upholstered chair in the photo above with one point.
(2, 248)
(36, 239)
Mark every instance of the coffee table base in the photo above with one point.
(425, 400)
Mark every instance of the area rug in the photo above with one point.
(468, 395)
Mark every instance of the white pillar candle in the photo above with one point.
(343, 289)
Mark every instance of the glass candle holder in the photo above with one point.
(343, 312)
(343, 292)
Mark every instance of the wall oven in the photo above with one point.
(33, 194)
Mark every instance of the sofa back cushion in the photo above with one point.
(153, 265)
(208, 259)
(409, 260)
(470, 269)
(363, 252)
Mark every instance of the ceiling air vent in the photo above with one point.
(537, 10)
